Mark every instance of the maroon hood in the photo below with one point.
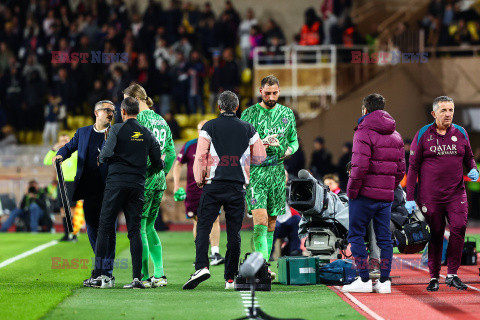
(379, 121)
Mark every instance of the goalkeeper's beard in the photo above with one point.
(270, 103)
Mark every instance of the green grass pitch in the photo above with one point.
(31, 289)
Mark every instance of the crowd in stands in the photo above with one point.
(184, 55)
(451, 23)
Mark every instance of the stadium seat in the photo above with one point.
(189, 133)
(182, 119)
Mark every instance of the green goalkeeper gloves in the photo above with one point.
(180, 195)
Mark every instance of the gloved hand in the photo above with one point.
(473, 174)
(287, 153)
(180, 195)
(410, 206)
(271, 141)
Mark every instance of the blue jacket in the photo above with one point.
(79, 143)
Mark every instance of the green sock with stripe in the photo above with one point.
(269, 242)
(260, 240)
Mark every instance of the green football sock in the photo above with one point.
(143, 234)
(155, 247)
(269, 242)
(260, 240)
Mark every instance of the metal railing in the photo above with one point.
(305, 71)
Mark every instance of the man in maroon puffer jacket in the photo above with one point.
(378, 166)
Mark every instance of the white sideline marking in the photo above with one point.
(28, 253)
(360, 305)
(425, 269)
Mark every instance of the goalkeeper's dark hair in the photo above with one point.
(228, 101)
(270, 80)
(131, 106)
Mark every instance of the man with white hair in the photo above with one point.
(437, 155)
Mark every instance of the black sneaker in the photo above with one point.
(195, 279)
(88, 282)
(433, 285)
(454, 281)
(65, 238)
(216, 259)
(135, 284)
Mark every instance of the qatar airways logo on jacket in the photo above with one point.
(444, 149)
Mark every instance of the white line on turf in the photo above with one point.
(359, 304)
(425, 269)
(28, 253)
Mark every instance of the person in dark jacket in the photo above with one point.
(378, 165)
(89, 182)
(321, 162)
(128, 147)
(222, 169)
(342, 164)
(32, 208)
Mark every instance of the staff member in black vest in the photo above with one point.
(126, 150)
(89, 182)
(226, 148)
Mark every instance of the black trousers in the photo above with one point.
(92, 206)
(130, 200)
(232, 197)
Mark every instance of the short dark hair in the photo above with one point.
(437, 100)
(228, 101)
(374, 102)
(131, 106)
(270, 80)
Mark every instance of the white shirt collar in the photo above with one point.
(100, 131)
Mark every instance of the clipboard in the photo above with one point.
(64, 195)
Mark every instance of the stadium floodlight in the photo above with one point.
(249, 269)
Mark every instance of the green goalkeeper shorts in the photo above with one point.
(151, 203)
(267, 189)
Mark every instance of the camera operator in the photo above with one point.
(32, 207)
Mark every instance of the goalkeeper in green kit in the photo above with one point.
(155, 185)
(266, 196)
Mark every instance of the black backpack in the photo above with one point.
(413, 237)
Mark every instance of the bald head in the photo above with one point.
(200, 124)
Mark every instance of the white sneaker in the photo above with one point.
(229, 284)
(103, 282)
(385, 287)
(153, 282)
(358, 286)
(157, 282)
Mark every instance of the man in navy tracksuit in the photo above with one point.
(89, 183)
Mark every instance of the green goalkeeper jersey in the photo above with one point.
(279, 120)
(161, 131)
